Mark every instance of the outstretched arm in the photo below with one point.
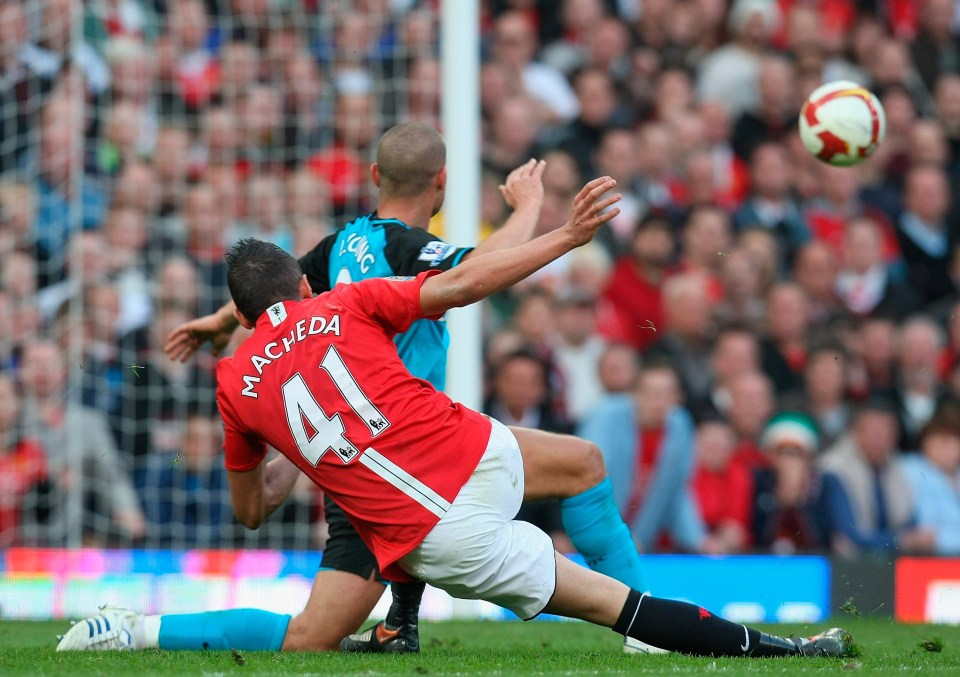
(487, 274)
(523, 192)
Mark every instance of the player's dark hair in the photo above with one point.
(259, 274)
(408, 158)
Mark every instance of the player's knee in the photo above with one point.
(302, 635)
(591, 469)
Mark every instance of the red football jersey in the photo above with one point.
(320, 381)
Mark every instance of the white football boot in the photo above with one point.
(113, 629)
(631, 645)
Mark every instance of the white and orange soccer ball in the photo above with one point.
(842, 123)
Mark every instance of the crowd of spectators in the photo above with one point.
(766, 349)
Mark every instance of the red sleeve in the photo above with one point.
(242, 451)
(392, 302)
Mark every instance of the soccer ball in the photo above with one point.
(842, 123)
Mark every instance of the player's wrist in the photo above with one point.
(226, 320)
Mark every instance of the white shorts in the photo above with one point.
(477, 550)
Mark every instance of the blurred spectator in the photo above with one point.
(176, 284)
(947, 94)
(521, 397)
(618, 368)
(656, 182)
(751, 405)
(239, 69)
(866, 493)
(88, 261)
(934, 478)
(788, 509)
(925, 236)
(186, 497)
(723, 490)
(634, 294)
(685, 341)
(259, 111)
(840, 197)
(706, 241)
(735, 352)
(918, 390)
(512, 135)
(266, 213)
(341, 164)
(136, 187)
(125, 235)
(82, 459)
(770, 205)
(742, 302)
(17, 83)
(936, 49)
(729, 73)
(864, 283)
(171, 164)
(102, 371)
(60, 182)
(891, 67)
(23, 474)
(18, 215)
(876, 349)
(784, 350)
(186, 63)
(514, 44)
(206, 244)
(56, 50)
(815, 270)
(521, 393)
(423, 103)
(761, 246)
(577, 349)
(824, 397)
(647, 444)
(776, 113)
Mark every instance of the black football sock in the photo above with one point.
(406, 604)
(690, 629)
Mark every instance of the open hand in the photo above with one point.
(524, 185)
(591, 210)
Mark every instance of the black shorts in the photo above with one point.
(345, 551)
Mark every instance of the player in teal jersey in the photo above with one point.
(410, 172)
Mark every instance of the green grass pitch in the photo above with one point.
(488, 648)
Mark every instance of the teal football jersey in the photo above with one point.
(372, 247)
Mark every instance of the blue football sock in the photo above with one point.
(594, 525)
(247, 629)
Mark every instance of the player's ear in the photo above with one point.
(305, 290)
(375, 174)
(442, 178)
(242, 319)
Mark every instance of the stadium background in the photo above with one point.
(138, 138)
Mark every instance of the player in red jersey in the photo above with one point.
(431, 486)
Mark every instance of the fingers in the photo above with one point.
(525, 171)
(595, 189)
(538, 169)
(606, 202)
(603, 217)
(181, 345)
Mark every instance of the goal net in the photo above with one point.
(137, 141)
